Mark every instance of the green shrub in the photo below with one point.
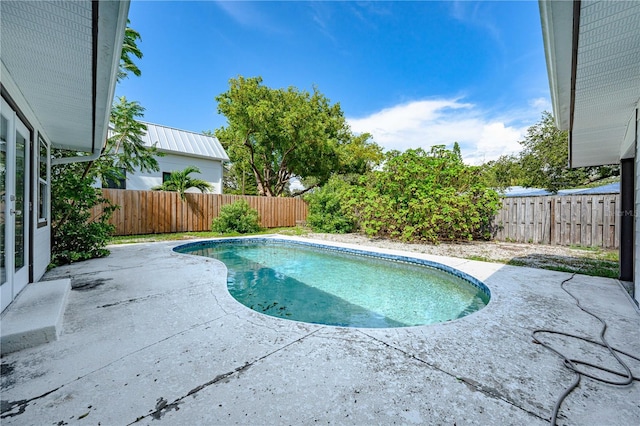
(328, 210)
(74, 236)
(236, 217)
(425, 196)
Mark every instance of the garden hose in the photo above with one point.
(572, 364)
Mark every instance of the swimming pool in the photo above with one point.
(322, 284)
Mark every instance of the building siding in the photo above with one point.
(636, 270)
(210, 171)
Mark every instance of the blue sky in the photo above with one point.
(413, 74)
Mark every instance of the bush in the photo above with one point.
(328, 210)
(236, 217)
(425, 196)
(74, 236)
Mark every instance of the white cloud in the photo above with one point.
(422, 124)
(249, 15)
(541, 104)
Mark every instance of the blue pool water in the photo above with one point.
(352, 288)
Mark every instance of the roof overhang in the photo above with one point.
(593, 51)
(64, 56)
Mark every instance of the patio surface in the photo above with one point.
(153, 337)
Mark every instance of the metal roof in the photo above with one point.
(520, 191)
(63, 57)
(193, 144)
(593, 51)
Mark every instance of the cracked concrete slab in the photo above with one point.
(154, 336)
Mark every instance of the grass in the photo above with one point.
(152, 238)
(585, 266)
(594, 261)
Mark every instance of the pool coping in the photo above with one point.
(159, 332)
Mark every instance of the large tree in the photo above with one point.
(280, 134)
(544, 162)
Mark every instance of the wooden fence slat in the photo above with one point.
(149, 212)
(564, 220)
(591, 221)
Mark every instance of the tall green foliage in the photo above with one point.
(74, 237)
(544, 162)
(417, 196)
(129, 48)
(328, 208)
(279, 134)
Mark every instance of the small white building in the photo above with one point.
(181, 148)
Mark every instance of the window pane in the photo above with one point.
(20, 213)
(4, 129)
(43, 183)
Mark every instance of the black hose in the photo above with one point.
(572, 364)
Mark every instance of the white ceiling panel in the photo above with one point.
(607, 83)
(47, 48)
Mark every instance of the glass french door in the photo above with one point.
(14, 204)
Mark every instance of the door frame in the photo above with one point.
(17, 281)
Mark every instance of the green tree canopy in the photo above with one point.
(544, 162)
(279, 134)
(129, 48)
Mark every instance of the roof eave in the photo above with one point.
(557, 32)
(107, 51)
(185, 154)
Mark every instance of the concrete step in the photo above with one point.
(35, 317)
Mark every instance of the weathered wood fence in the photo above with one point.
(154, 212)
(586, 220)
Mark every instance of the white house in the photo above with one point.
(593, 61)
(181, 148)
(59, 62)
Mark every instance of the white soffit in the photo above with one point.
(47, 48)
(183, 142)
(557, 23)
(607, 85)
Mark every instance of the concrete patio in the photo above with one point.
(152, 336)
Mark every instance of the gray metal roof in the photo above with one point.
(594, 75)
(168, 139)
(520, 191)
(63, 56)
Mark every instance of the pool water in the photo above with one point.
(308, 283)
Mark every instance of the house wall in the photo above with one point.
(637, 211)
(41, 236)
(210, 171)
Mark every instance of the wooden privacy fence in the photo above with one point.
(586, 220)
(155, 212)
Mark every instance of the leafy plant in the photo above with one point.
(180, 181)
(74, 237)
(279, 134)
(236, 217)
(327, 208)
(417, 196)
(544, 162)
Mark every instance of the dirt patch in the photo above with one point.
(592, 261)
